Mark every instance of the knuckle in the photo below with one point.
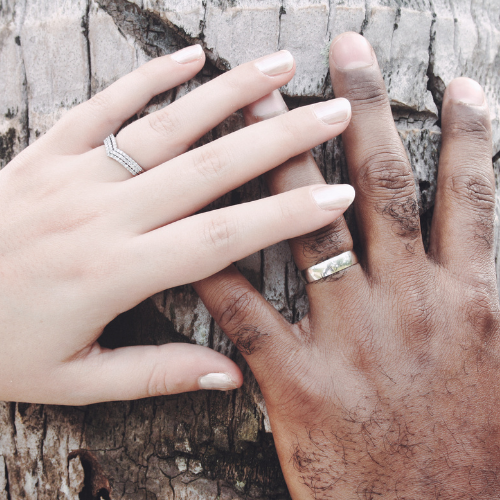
(164, 122)
(157, 382)
(367, 93)
(210, 161)
(472, 124)
(290, 131)
(99, 102)
(386, 171)
(477, 189)
(482, 312)
(405, 214)
(235, 305)
(326, 242)
(286, 211)
(221, 233)
(231, 81)
(147, 71)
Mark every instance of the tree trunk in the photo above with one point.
(55, 54)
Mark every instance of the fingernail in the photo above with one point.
(276, 64)
(336, 197)
(466, 91)
(187, 55)
(351, 51)
(268, 106)
(217, 382)
(331, 112)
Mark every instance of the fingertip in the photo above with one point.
(266, 107)
(464, 90)
(350, 51)
(187, 55)
(220, 381)
(333, 197)
(334, 112)
(277, 64)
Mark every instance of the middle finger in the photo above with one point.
(386, 208)
(189, 182)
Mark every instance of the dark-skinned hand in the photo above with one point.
(388, 388)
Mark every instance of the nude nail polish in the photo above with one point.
(217, 382)
(336, 197)
(187, 55)
(268, 106)
(275, 64)
(332, 112)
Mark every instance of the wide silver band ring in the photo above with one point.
(120, 156)
(329, 267)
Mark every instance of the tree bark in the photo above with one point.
(55, 54)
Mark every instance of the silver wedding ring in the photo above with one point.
(120, 156)
(329, 267)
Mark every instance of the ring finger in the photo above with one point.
(300, 171)
(387, 209)
(318, 246)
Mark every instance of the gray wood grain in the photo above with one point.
(55, 54)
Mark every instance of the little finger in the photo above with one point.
(296, 172)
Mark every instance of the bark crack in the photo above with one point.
(85, 28)
(203, 22)
(435, 84)
(155, 35)
(364, 24)
(281, 14)
(25, 121)
(496, 157)
(96, 485)
(7, 484)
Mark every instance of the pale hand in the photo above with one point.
(82, 240)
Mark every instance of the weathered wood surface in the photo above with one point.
(57, 53)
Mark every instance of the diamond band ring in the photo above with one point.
(121, 157)
(329, 267)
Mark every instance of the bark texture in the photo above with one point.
(57, 53)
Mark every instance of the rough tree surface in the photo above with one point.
(57, 53)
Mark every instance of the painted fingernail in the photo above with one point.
(187, 55)
(331, 112)
(217, 382)
(351, 51)
(466, 91)
(268, 106)
(276, 64)
(336, 197)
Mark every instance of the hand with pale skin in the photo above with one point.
(82, 240)
(388, 388)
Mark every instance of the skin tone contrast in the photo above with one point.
(83, 240)
(388, 388)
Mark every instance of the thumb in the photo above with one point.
(146, 371)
